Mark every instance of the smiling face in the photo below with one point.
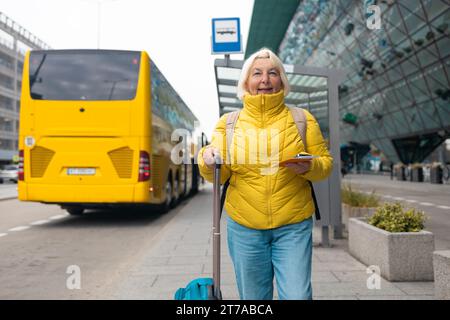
(263, 78)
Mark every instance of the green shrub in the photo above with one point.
(358, 199)
(393, 217)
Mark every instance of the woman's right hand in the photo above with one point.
(210, 155)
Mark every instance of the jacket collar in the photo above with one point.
(264, 106)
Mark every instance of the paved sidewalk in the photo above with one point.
(183, 252)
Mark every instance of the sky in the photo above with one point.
(175, 33)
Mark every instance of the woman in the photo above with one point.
(269, 207)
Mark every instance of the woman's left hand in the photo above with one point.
(300, 167)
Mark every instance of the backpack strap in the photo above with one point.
(300, 121)
(231, 124)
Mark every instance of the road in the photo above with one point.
(39, 244)
(433, 199)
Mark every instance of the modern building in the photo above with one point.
(14, 39)
(396, 94)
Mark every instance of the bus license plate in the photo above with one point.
(81, 171)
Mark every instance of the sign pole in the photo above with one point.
(227, 59)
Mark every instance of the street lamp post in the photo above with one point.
(99, 8)
(99, 16)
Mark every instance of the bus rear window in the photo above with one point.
(83, 75)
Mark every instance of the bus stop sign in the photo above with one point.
(226, 36)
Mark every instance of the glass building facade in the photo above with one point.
(396, 94)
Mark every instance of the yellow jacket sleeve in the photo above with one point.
(218, 141)
(321, 167)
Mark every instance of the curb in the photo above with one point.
(8, 198)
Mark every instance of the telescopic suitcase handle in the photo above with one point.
(216, 228)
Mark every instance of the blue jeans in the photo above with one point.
(258, 255)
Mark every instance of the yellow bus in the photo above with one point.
(97, 129)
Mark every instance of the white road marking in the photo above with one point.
(39, 222)
(60, 216)
(427, 204)
(19, 228)
(35, 223)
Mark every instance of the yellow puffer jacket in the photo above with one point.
(261, 194)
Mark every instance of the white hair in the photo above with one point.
(263, 53)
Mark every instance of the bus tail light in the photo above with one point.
(144, 166)
(21, 161)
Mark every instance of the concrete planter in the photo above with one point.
(441, 263)
(355, 212)
(401, 256)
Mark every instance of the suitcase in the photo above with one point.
(208, 288)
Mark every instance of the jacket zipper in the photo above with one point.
(268, 179)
